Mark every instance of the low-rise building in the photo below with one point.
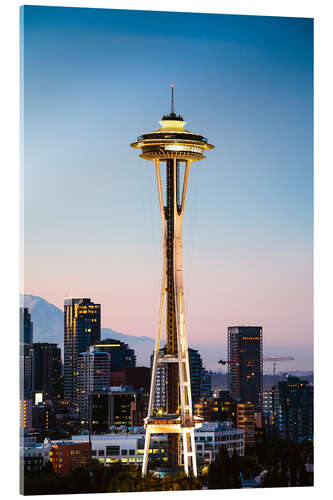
(128, 448)
(212, 435)
(35, 455)
(66, 455)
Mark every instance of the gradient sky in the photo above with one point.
(96, 79)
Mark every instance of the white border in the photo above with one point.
(9, 199)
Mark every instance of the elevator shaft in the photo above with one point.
(172, 393)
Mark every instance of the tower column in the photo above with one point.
(172, 146)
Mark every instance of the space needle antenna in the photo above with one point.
(172, 99)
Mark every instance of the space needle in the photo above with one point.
(174, 148)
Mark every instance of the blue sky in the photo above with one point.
(96, 79)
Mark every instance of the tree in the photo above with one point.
(219, 472)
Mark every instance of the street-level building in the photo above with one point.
(35, 455)
(67, 455)
(129, 447)
(212, 435)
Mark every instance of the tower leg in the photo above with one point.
(194, 456)
(185, 449)
(145, 453)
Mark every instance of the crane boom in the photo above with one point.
(283, 358)
(274, 360)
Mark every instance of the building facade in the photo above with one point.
(26, 371)
(212, 435)
(67, 455)
(46, 376)
(115, 406)
(196, 372)
(26, 326)
(82, 329)
(35, 455)
(217, 410)
(271, 412)
(246, 420)
(296, 409)
(245, 363)
(121, 355)
(129, 447)
(25, 409)
(206, 384)
(200, 380)
(93, 376)
(44, 417)
(137, 377)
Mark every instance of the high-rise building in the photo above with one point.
(271, 412)
(26, 326)
(82, 328)
(121, 355)
(200, 379)
(161, 383)
(206, 384)
(46, 376)
(296, 409)
(93, 376)
(26, 371)
(196, 371)
(245, 362)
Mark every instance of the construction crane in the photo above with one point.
(274, 360)
(233, 361)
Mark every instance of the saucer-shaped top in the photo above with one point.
(172, 140)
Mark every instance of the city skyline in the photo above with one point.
(254, 190)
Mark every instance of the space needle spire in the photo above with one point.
(172, 148)
(172, 99)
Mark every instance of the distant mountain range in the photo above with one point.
(48, 321)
